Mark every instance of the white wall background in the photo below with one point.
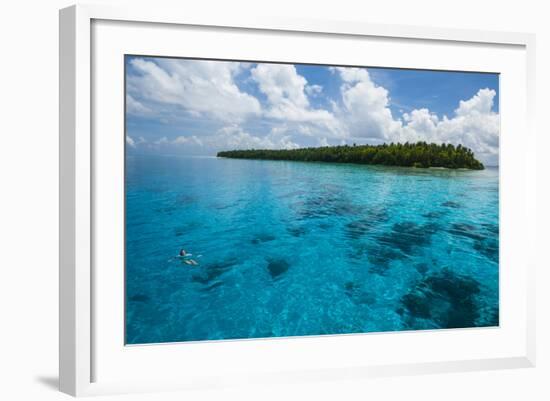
(29, 185)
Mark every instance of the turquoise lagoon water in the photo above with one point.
(293, 249)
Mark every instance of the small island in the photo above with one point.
(420, 155)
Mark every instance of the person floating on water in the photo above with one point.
(183, 254)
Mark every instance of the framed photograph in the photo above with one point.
(268, 201)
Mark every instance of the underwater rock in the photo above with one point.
(485, 238)
(408, 235)
(213, 285)
(358, 228)
(422, 267)
(297, 231)
(343, 208)
(277, 267)
(140, 298)
(212, 271)
(326, 204)
(489, 248)
(446, 298)
(466, 230)
(451, 204)
(354, 292)
(315, 207)
(380, 259)
(325, 226)
(435, 214)
(367, 298)
(492, 228)
(403, 240)
(489, 318)
(350, 287)
(262, 237)
(417, 303)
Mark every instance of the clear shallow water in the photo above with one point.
(291, 248)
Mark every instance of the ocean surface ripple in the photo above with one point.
(292, 249)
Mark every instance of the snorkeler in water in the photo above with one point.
(186, 258)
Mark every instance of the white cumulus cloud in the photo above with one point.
(287, 100)
(474, 125)
(366, 109)
(199, 87)
(136, 108)
(193, 139)
(234, 137)
(130, 141)
(481, 103)
(313, 90)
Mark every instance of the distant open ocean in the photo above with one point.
(295, 248)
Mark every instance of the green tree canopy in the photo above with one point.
(420, 154)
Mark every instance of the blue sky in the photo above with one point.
(186, 106)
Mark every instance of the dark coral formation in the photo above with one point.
(277, 267)
(446, 298)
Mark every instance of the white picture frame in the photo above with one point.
(79, 224)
